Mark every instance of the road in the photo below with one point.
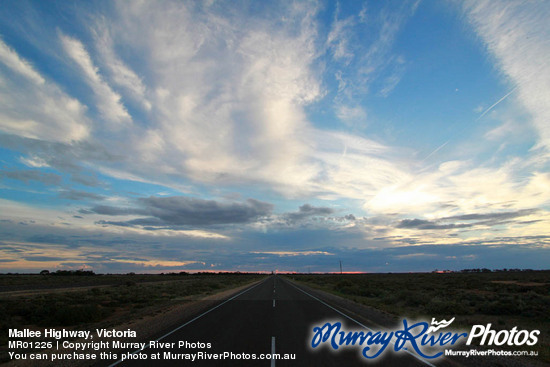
(273, 316)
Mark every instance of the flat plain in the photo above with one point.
(87, 301)
(506, 299)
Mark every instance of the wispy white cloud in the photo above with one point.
(293, 253)
(11, 59)
(467, 187)
(157, 263)
(108, 101)
(222, 102)
(338, 40)
(164, 232)
(391, 82)
(34, 108)
(240, 120)
(53, 219)
(363, 58)
(354, 167)
(121, 74)
(35, 162)
(352, 115)
(516, 35)
(379, 57)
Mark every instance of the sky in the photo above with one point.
(168, 136)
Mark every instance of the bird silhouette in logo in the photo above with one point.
(439, 325)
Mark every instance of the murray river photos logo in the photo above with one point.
(426, 340)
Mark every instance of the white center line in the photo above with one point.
(272, 351)
(273, 303)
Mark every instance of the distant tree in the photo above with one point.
(84, 272)
(74, 272)
(45, 272)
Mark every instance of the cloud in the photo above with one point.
(355, 167)
(11, 59)
(75, 158)
(100, 248)
(32, 107)
(71, 194)
(487, 219)
(158, 213)
(112, 210)
(458, 187)
(338, 38)
(155, 228)
(497, 230)
(201, 100)
(183, 210)
(108, 102)
(157, 263)
(253, 101)
(242, 121)
(35, 162)
(27, 175)
(352, 116)
(389, 83)
(86, 180)
(40, 256)
(362, 56)
(179, 210)
(121, 74)
(494, 216)
(306, 211)
(425, 224)
(516, 34)
(293, 253)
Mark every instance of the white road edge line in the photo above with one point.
(190, 321)
(272, 351)
(358, 323)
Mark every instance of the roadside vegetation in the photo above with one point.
(73, 300)
(503, 298)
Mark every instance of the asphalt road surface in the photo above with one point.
(273, 316)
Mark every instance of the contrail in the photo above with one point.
(480, 116)
(495, 104)
(436, 150)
